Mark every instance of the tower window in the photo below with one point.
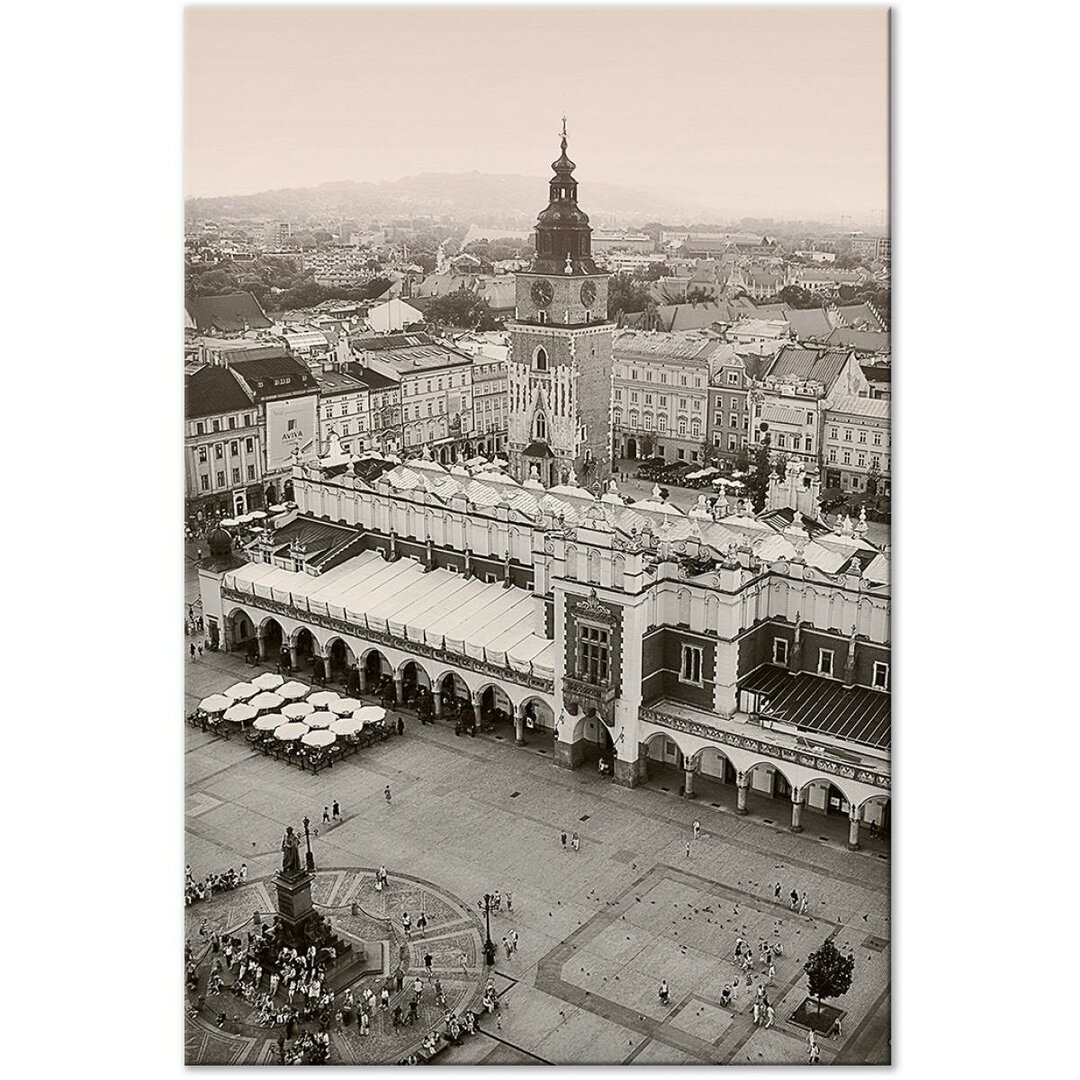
(541, 359)
(541, 426)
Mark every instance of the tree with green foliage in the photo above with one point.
(626, 294)
(757, 483)
(462, 309)
(741, 461)
(828, 972)
(795, 296)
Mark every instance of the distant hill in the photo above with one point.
(508, 199)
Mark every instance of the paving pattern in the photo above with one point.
(598, 928)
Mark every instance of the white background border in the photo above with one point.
(985, 251)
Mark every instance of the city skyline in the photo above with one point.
(732, 136)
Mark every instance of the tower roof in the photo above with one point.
(563, 235)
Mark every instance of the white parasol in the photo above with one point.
(257, 515)
(319, 738)
(322, 719)
(370, 713)
(215, 703)
(229, 523)
(293, 691)
(349, 726)
(347, 705)
(297, 710)
(266, 700)
(325, 699)
(241, 691)
(240, 714)
(267, 681)
(270, 722)
(290, 732)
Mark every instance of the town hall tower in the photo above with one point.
(560, 362)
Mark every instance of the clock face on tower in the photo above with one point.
(542, 293)
(588, 293)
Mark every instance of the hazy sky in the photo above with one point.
(770, 111)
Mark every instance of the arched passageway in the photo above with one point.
(415, 684)
(342, 660)
(496, 709)
(273, 641)
(598, 747)
(241, 631)
(304, 648)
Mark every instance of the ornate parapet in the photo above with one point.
(758, 745)
(384, 637)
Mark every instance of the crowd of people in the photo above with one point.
(194, 891)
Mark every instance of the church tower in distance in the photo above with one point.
(560, 357)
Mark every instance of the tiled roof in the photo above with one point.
(777, 414)
(858, 317)
(809, 323)
(211, 391)
(260, 375)
(646, 345)
(863, 341)
(814, 703)
(227, 314)
(793, 362)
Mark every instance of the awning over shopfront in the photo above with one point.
(439, 608)
(814, 703)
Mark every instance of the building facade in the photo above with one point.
(733, 651)
(729, 409)
(660, 394)
(344, 410)
(857, 443)
(559, 372)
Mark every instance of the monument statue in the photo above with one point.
(290, 848)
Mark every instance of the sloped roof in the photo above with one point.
(211, 391)
(858, 317)
(675, 317)
(228, 314)
(793, 362)
(874, 408)
(809, 323)
(863, 341)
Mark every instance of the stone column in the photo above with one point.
(797, 799)
(690, 784)
(261, 634)
(570, 755)
(436, 700)
(519, 726)
(326, 666)
(294, 657)
(361, 674)
(399, 692)
(854, 816)
(743, 783)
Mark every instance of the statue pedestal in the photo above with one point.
(294, 897)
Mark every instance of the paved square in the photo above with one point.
(598, 928)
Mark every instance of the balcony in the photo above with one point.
(582, 693)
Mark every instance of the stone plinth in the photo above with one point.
(294, 897)
(569, 755)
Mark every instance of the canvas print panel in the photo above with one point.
(537, 536)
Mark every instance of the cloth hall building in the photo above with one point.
(752, 651)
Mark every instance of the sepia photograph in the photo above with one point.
(537, 532)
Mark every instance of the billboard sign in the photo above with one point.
(290, 426)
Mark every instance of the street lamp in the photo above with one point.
(489, 945)
(309, 859)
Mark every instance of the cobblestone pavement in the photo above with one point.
(598, 928)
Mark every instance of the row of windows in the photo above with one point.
(683, 379)
(661, 422)
(733, 441)
(733, 421)
(805, 443)
(834, 434)
(328, 408)
(451, 382)
(204, 480)
(200, 426)
(219, 450)
(661, 400)
(860, 459)
(826, 662)
(737, 403)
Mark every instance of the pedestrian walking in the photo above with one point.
(421, 923)
(386, 792)
(513, 935)
(772, 973)
(803, 904)
(192, 647)
(757, 1013)
(563, 838)
(770, 1016)
(794, 899)
(336, 811)
(326, 815)
(506, 946)
(776, 891)
(427, 962)
(509, 901)
(200, 652)
(663, 993)
(576, 841)
(697, 830)
(243, 871)
(401, 725)
(688, 849)
(406, 922)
